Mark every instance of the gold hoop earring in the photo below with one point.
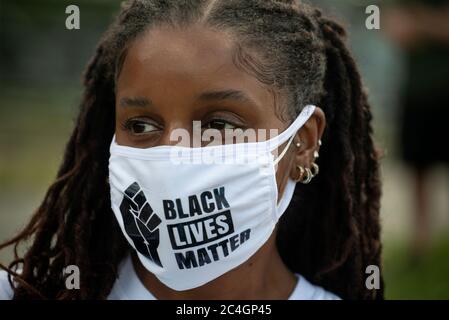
(316, 169)
(307, 178)
(301, 172)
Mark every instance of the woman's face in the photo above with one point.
(171, 78)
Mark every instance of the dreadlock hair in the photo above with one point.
(330, 232)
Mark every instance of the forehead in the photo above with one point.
(191, 49)
(194, 59)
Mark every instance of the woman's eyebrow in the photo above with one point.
(230, 94)
(140, 102)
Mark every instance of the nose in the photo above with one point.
(182, 133)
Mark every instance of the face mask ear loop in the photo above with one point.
(305, 114)
(276, 161)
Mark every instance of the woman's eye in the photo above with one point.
(219, 125)
(138, 127)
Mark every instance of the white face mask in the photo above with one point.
(192, 222)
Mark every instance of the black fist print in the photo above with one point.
(141, 222)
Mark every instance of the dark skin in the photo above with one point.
(165, 83)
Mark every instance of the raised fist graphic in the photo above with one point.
(141, 222)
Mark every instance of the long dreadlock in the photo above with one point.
(330, 232)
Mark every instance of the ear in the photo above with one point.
(308, 137)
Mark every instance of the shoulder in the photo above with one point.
(307, 291)
(6, 292)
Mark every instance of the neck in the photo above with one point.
(263, 276)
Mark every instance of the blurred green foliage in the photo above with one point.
(36, 122)
(409, 277)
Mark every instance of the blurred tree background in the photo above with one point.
(41, 63)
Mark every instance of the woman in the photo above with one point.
(139, 225)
